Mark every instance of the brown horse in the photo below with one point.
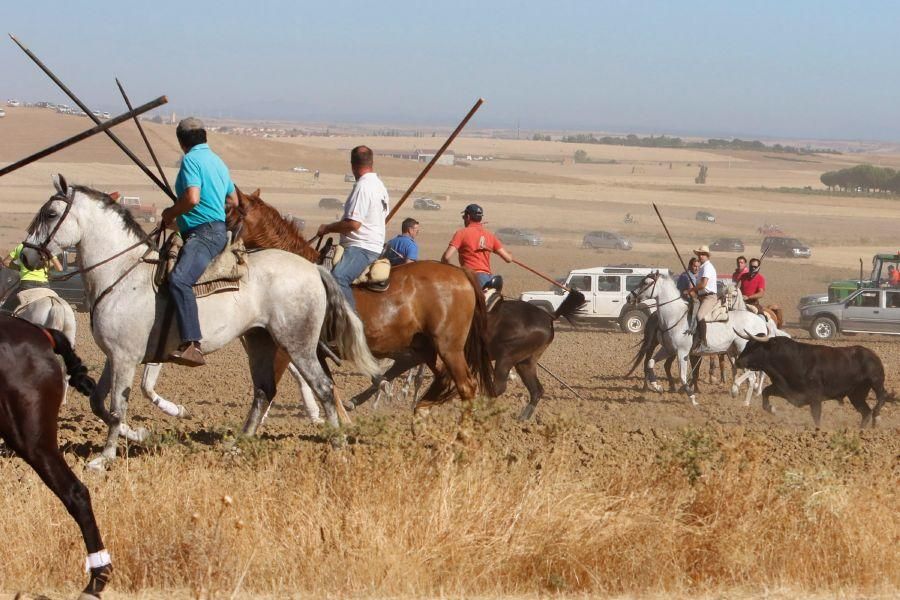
(31, 391)
(430, 310)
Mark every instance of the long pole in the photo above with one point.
(84, 135)
(541, 275)
(561, 382)
(681, 260)
(91, 116)
(140, 127)
(434, 160)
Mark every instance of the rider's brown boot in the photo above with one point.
(189, 355)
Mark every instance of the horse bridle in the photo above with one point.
(44, 252)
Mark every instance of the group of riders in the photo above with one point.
(204, 192)
(699, 285)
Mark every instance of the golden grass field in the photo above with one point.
(622, 494)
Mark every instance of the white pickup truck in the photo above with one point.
(606, 290)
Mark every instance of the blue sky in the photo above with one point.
(798, 69)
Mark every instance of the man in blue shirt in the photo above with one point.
(203, 187)
(403, 248)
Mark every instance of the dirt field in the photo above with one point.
(616, 441)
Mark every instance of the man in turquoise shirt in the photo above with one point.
(203, 188)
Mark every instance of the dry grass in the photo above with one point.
(710, 513)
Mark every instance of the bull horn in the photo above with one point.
(757, 338)
(741, 335)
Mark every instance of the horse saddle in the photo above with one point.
(719, 314)
(493, 292)
(27, 297)
(375, 277)
(224, 273)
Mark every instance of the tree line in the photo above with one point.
(664, 141)
(863, 178)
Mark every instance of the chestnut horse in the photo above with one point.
(31, 390)
(430, 310)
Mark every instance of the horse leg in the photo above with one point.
(455, 363)
(815, 408)
(401, 365)
(527, 370)
(148, 383)
(306, 395)
(722, 369)
(768, 391)
(650, 372)
(101, 391)
(122, 376)
(685, 362)
(261, 353)
(419, 380)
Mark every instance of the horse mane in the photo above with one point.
(272, 230)
(110, 203)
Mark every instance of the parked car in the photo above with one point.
(523, 237)
(605, 239)
(2, 113)
(13, 103)
(787, 247)
(141, 212)
(426, 204)
(349, 178)
(606, 290)
(727, 245)
(300, 170)
(702, 215)
(331, 203)
(868, 310)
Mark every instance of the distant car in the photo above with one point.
(13, 103)
(143, 212)
(104, 115)
(71, 290)
(2, 113)
(786, 247)
(300, 170)
(864, 311)
(605, 239)
(349, 178)
(702, 215)
(426, 204)
(727, 245)
(522, 237)
(331, 203)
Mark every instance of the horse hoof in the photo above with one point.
(349, 406)
(24, 596)
(656, 387)
(86, 596)
(182, 412)
(317, 420)
(99, 464)
(526, 413)
(734, 391)
(693, 398)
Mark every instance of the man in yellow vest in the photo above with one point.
(28, 280)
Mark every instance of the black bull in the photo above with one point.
(806, 374)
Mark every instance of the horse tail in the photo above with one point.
(570, 305)
(75, 369)
(343, 327)
(62, 317)
(648, 343)
(476, 351)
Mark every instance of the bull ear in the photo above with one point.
(59, 182)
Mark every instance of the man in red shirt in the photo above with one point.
(740, 271)
(753, 284)
(475, 245)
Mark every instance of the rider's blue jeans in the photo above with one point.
(201, 245)
(353, 263)
(483, 278)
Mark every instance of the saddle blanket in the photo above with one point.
(27, 297)
(223, 274)
(375, 277)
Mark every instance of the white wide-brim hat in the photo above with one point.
(704, 249)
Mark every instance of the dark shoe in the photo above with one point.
(189, 355)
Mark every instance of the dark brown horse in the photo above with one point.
(31, 391)
(430, 310)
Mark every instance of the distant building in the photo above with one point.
(447, 158)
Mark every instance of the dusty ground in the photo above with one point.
(614, 420)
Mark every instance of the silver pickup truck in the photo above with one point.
(868, 310)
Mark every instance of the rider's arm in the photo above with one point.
(448, 254)
(504, 254)
(759, 294)
(188, 200)
(56, 264)
(6, 261)
(342, 227)
(701, 285)
(231, 200)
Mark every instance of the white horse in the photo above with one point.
(673, 328)
(285, 301)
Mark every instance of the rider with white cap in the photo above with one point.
(705, 294)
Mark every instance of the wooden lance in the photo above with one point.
(669, 235)
(434, 160)
(140, 127)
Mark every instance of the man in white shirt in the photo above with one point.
(362, 226)
(705, 294)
